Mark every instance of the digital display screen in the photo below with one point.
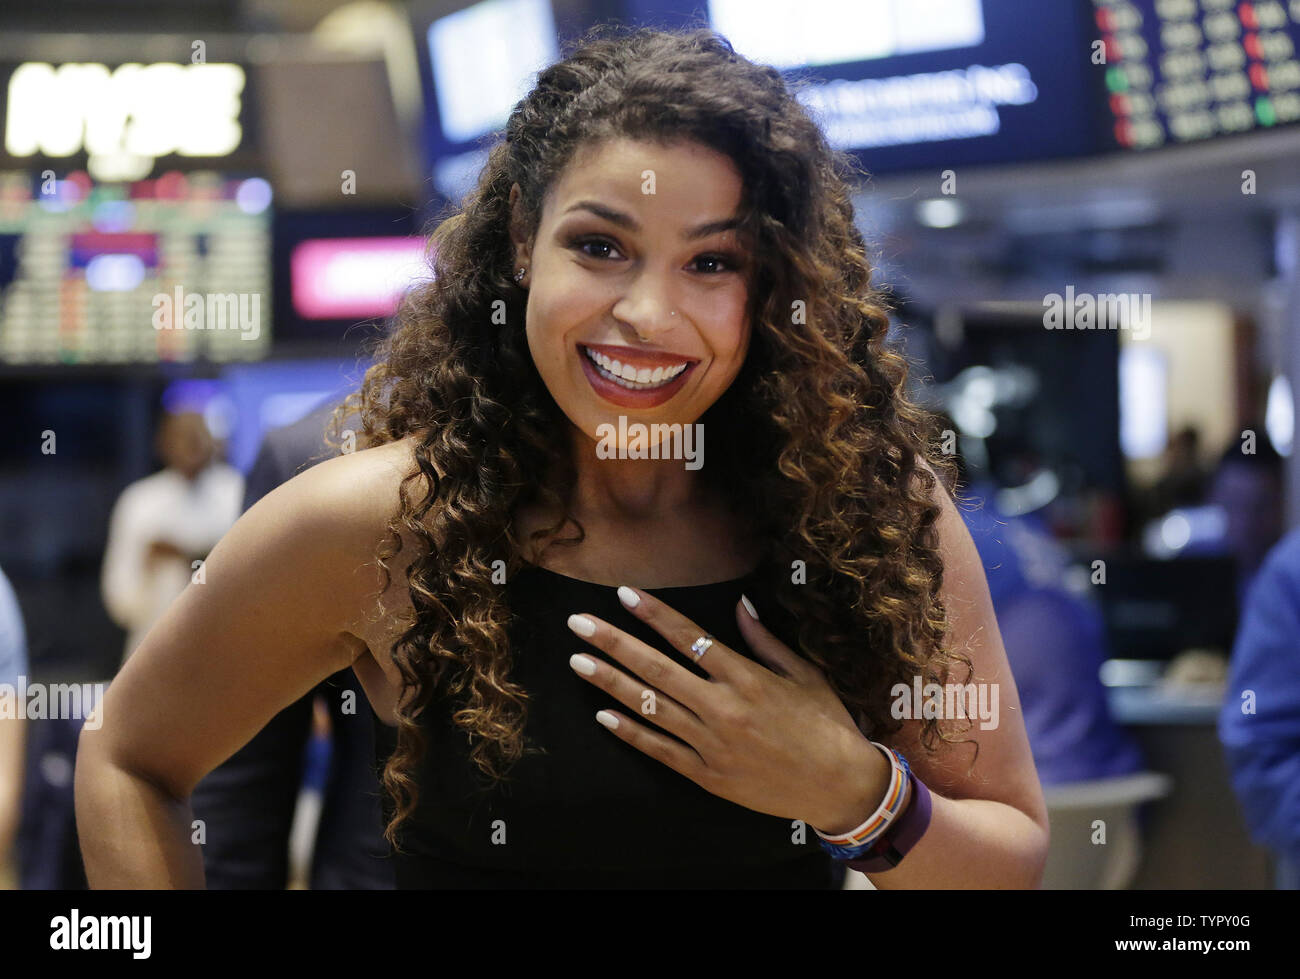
(483, 58)
(172, 269)
(909, 85)
(341, 278)
(339, 275)
(476, 64)
(824, 32)
(1179, 71)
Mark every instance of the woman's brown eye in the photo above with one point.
(726, 264)
(582, 244)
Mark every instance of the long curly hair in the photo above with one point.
(822, 448)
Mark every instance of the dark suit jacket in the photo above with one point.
(248, 803)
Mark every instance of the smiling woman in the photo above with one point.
(645, 285)
(663, 239)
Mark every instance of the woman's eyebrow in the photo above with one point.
(630, 223)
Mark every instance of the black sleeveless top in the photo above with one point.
(593, 811)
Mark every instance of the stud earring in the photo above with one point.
(519, 276)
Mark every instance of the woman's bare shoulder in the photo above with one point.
(342, 504)
(284, 597)
(352, 484)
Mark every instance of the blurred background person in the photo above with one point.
(13, 664)
(1183, 481)
(164, 523)
(1054, 637)
(1248, 488)
(1054, 631)
(1260, 720)
(324, 742)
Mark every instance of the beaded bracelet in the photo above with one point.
(857, 843)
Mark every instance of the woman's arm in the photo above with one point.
(988, 829)
(282, 601)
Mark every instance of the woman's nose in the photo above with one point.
(648, 307)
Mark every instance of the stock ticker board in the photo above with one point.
(170, 269)
(1182, 71)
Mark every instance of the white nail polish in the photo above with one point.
(628, 597)
(582, 664)
(606, 718)
(582, 625)
(749, 607)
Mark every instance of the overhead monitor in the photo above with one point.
(922, 84)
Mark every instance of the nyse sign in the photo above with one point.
(126, 117)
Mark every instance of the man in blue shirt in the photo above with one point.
(1259, 724)
(1055, 642)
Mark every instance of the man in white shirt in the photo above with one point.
(163, 524)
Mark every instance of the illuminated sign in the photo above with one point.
(942, 105)
(829, 32)
(126, 117)
(337, 278)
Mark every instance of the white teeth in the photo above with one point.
(630, 377)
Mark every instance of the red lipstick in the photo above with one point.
(615, 393)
